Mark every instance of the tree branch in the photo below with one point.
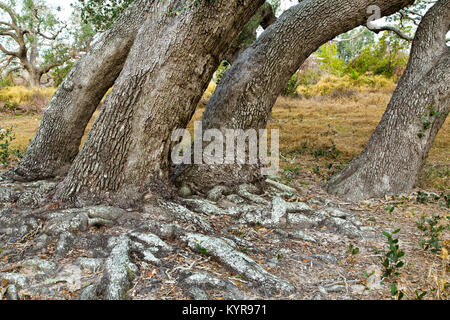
(396, 30)
(9, 53)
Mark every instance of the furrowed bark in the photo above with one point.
(169, 67)
(394, 156)
(247, 92)
(58, 138)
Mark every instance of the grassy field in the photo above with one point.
(318, 136)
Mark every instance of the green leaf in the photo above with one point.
(394, 289)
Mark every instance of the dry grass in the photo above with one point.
(337, 86)
(309, 128)
(25, 99)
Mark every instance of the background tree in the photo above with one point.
(351, 44)
(32, 39)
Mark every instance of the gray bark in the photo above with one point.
(394, 156)
(246, 94)
(169, 67)
(58, 138)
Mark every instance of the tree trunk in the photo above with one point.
(394, 156)
(168, 69)
(247, 92)
(34, 74)
(58, 138)
(34, 79)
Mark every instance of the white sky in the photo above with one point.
(65, 6)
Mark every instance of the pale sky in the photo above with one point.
(66, 10)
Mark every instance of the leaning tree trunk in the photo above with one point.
(394, 156)
(168, 69)
(58, 138)
(248, 91)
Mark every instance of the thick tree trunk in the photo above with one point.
(248, 91)
(168, 69)
(393, 158)
(34, 78)
(58, 139)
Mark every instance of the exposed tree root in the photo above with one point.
(128, 242)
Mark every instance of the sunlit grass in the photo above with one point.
(29, 99)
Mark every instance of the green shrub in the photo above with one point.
(6, 137)
(292, 85)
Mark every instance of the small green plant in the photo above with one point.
(392, 263)
(390, 259)
(421, 295)
(389, 209)
(367, 275)
(332, 152)
(432, 228)
(426, 124)
(446, 198)
(395, 292)
(294, 170)
(11, 106)
(423, 197)
(201, 250)
(353, 250)
(6, 137)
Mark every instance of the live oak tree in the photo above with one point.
(31, 40)
(168, 68)
(63, 125)
(58, 138)
(394, 156)
(246, 94)
(127, 151)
